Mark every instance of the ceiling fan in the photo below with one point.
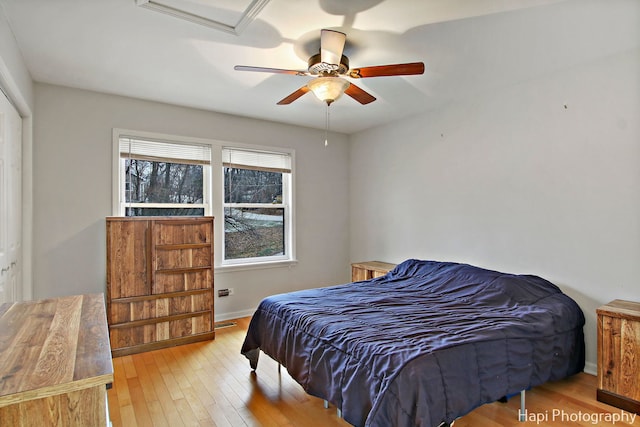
(330, 65)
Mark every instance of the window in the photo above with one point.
(161, 178)
(257, 206)
(248, 189)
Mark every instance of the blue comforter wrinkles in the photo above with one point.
(425, 344)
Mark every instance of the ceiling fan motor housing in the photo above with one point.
(316, 66)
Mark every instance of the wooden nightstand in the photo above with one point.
(619, 354)
(369, 270)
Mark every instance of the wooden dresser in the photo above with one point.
(55, 362)
(619, 354)
(159, 282)
(369, 270)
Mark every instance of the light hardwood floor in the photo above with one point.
(211, 384)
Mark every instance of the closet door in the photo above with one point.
(10, 202)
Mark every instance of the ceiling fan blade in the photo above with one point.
(295, 95)
(359, 95)
(388, 70)
(331, 46)
(270, 70)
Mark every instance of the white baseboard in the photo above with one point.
(233, 315)
(591, 368)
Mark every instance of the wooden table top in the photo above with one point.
(53, 346)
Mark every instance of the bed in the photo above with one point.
(422, 345)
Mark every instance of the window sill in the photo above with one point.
(230, 268)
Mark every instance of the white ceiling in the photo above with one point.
(469, 47)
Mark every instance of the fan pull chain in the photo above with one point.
(326, 127)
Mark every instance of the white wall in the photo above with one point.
(512, 180)
(72, 192)
(14, 76)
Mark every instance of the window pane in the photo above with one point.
(253, 232)
(252, 186)
(164, 212)
(162, 182)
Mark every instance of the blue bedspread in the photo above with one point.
(426, 343)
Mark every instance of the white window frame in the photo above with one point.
(213, 189)
(286, 204)
(120, 204)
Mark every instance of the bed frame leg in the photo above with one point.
(253, 356)
(338, 410)
(523, 410)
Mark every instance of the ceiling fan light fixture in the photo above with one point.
(328, 89)
(329, 65)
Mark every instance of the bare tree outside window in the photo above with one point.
(163, 182)
(254, 217)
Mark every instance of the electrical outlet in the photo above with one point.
(223, 292)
